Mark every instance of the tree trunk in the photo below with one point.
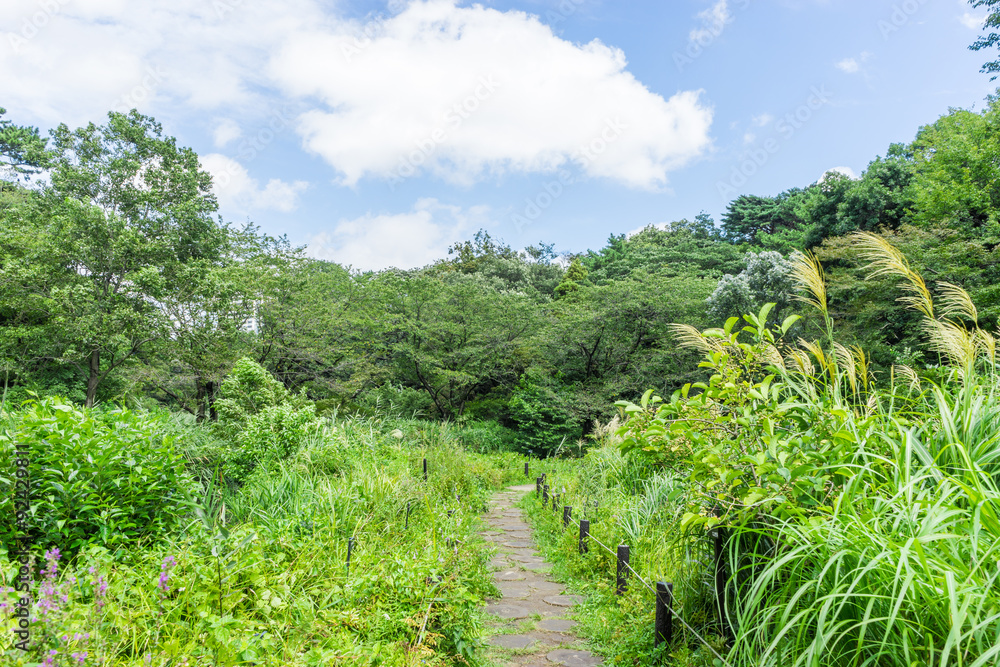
(200, 399)
(211, 390)
(94, 377)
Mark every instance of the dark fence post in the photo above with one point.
(664, 628)
(721, 577)
(526, 474)
(350, 548)
(555, 501)
(623, 556)
(545, 495)
(567, 515)
(425, 470)
(538, 487)
(584, 534)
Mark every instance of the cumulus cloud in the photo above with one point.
(402, 240)
(763, 120)
(238, 191)
(460, 92)
(464, 92)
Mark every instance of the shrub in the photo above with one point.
(109, 477)
(261, 418)
(543, 418)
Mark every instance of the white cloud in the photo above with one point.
(368, 100)
(466, 92)
(763, 120)
(853, 65)
(238, 191)
(972, 21)
(714, 20)
(749, 138)
(402, 240)
(74, 61)
(226, 131)
(849, 65)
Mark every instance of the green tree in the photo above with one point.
(131, 210)
(770, 222)
(993, 38)
(575, 275)
(23, 151)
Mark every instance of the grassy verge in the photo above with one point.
(258, 575)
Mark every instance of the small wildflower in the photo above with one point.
(50, 660)
(168, 563)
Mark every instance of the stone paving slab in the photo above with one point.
(527, 591)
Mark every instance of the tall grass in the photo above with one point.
(888, 555)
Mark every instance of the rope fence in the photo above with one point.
(662, 592)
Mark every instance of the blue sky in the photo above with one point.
(379, 133)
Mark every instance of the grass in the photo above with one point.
(258, 574)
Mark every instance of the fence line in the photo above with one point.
(656, 596)
(585, 533)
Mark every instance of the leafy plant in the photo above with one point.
(106, 477)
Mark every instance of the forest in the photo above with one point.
(216, 449)
(120, 281)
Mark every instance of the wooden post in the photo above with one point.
(425, 470)
(350, 548)
(664, 628)
(545, 495)
(526, 474)
(538, 486)
(584, 534)
(567, 516)
(721, 577)
(623, 557)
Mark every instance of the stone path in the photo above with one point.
(531, 629)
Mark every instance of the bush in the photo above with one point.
(487, 437)
(543, 418)
(109, 478)
(261, 418)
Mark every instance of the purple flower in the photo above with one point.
(50, 660)
(52, 558)
(168, 563)
(80, 657)
(100, 588)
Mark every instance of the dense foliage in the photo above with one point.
(255, 574)
(117, 279)
(858, 523)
